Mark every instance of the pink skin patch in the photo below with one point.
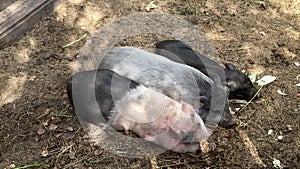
(171, 124)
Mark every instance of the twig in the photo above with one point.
(32, 165)
(251, 99)
(69, 44)
(75, 133)
(64, 150)
(64, 115)
(72, 164)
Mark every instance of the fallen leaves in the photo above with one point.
(277, 163)
(281, 93)
(252, 77)
(151, 6)
(267, 79)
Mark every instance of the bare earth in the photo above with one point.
(40, 129)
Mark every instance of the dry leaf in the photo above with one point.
(150, 6)
(267, 79)
(281, 93)
(252, 77)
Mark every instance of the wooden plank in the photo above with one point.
(5, 3)
(20, 16)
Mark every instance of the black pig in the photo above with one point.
(239, 84)
(177, 81)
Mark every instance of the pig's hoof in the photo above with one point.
(227, 123)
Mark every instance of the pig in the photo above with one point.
(239, 84)
(102, 96)
(180, 82)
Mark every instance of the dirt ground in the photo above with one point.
(39, 128)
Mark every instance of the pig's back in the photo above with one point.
(178, 81)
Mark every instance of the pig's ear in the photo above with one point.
(230, 66)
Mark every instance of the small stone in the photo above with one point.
(41, 131)
(297, 63)
(64, 96)
(270, 132)
(107, 5)
(97, 152)
(289, 127)
(48, 54)
(262, 33)
(31, 78)
(5, 62)
(58, 135)
(70, 129)
(277, 163)
(52, 127)
(44, 153)
(12, 166)
(46, 123)
(280, 137)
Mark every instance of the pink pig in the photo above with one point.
(161, 120)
